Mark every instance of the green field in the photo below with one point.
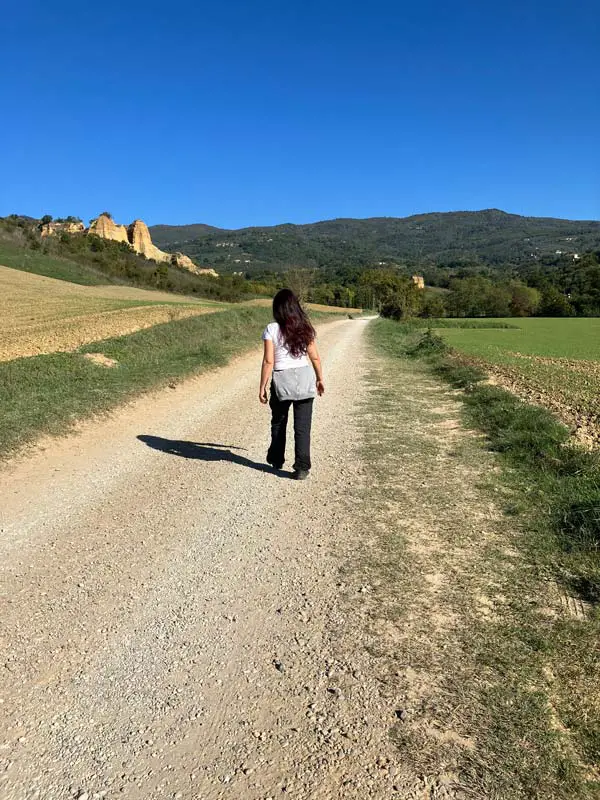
(553, 361)
(554, 338)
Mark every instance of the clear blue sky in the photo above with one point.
(250, 113)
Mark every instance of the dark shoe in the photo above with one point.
(301, 474)
(275, 466)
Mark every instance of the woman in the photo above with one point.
(289, 350)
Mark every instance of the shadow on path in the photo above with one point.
(205, 451)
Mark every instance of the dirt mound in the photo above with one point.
(101, 360)
(138, 236)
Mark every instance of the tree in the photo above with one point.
(495, 301)
(555, 304)
(300, 281)
(433, 305)
(464, 298)
(477, 297)
(161, 276)
(323, 294)
(380, 285)
(46, 219)
(524, 300)
(403, 302)
(106, 214)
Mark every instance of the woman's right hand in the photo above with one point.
(320, 388)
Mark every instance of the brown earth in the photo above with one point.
(582, 419)
(105, 228)
(141, 241)
(138, 236)
(55, 228)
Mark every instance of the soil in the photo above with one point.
(40, 285)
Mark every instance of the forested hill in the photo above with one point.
(490, 237)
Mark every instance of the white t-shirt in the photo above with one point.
(283, 358)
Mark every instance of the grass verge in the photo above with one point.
(18, 257)
(551, 492)
(47, 394)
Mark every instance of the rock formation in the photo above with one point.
(185, 262)
(139, 238)
(419, 281)
(181, 260)
(105, 228)
(54, 228)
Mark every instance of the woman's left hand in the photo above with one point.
(262, 395)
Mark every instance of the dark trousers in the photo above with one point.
(302, 423)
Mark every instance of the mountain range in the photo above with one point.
(489, 237)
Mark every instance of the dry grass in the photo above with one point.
(43, 315)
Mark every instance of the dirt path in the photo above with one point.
(180, 623)
(167, 604)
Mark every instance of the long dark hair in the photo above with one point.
(295, 326)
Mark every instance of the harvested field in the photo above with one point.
(550, 362)
(43, 315)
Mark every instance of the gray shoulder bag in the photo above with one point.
(295, 383)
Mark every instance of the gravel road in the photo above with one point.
(171, 625)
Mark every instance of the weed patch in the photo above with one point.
(565, 478)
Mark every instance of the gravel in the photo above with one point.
(148, 590)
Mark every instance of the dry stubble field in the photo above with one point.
(44, 315)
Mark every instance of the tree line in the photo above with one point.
(574, 291)
(478, 296)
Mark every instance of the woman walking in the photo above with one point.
(289, 351)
